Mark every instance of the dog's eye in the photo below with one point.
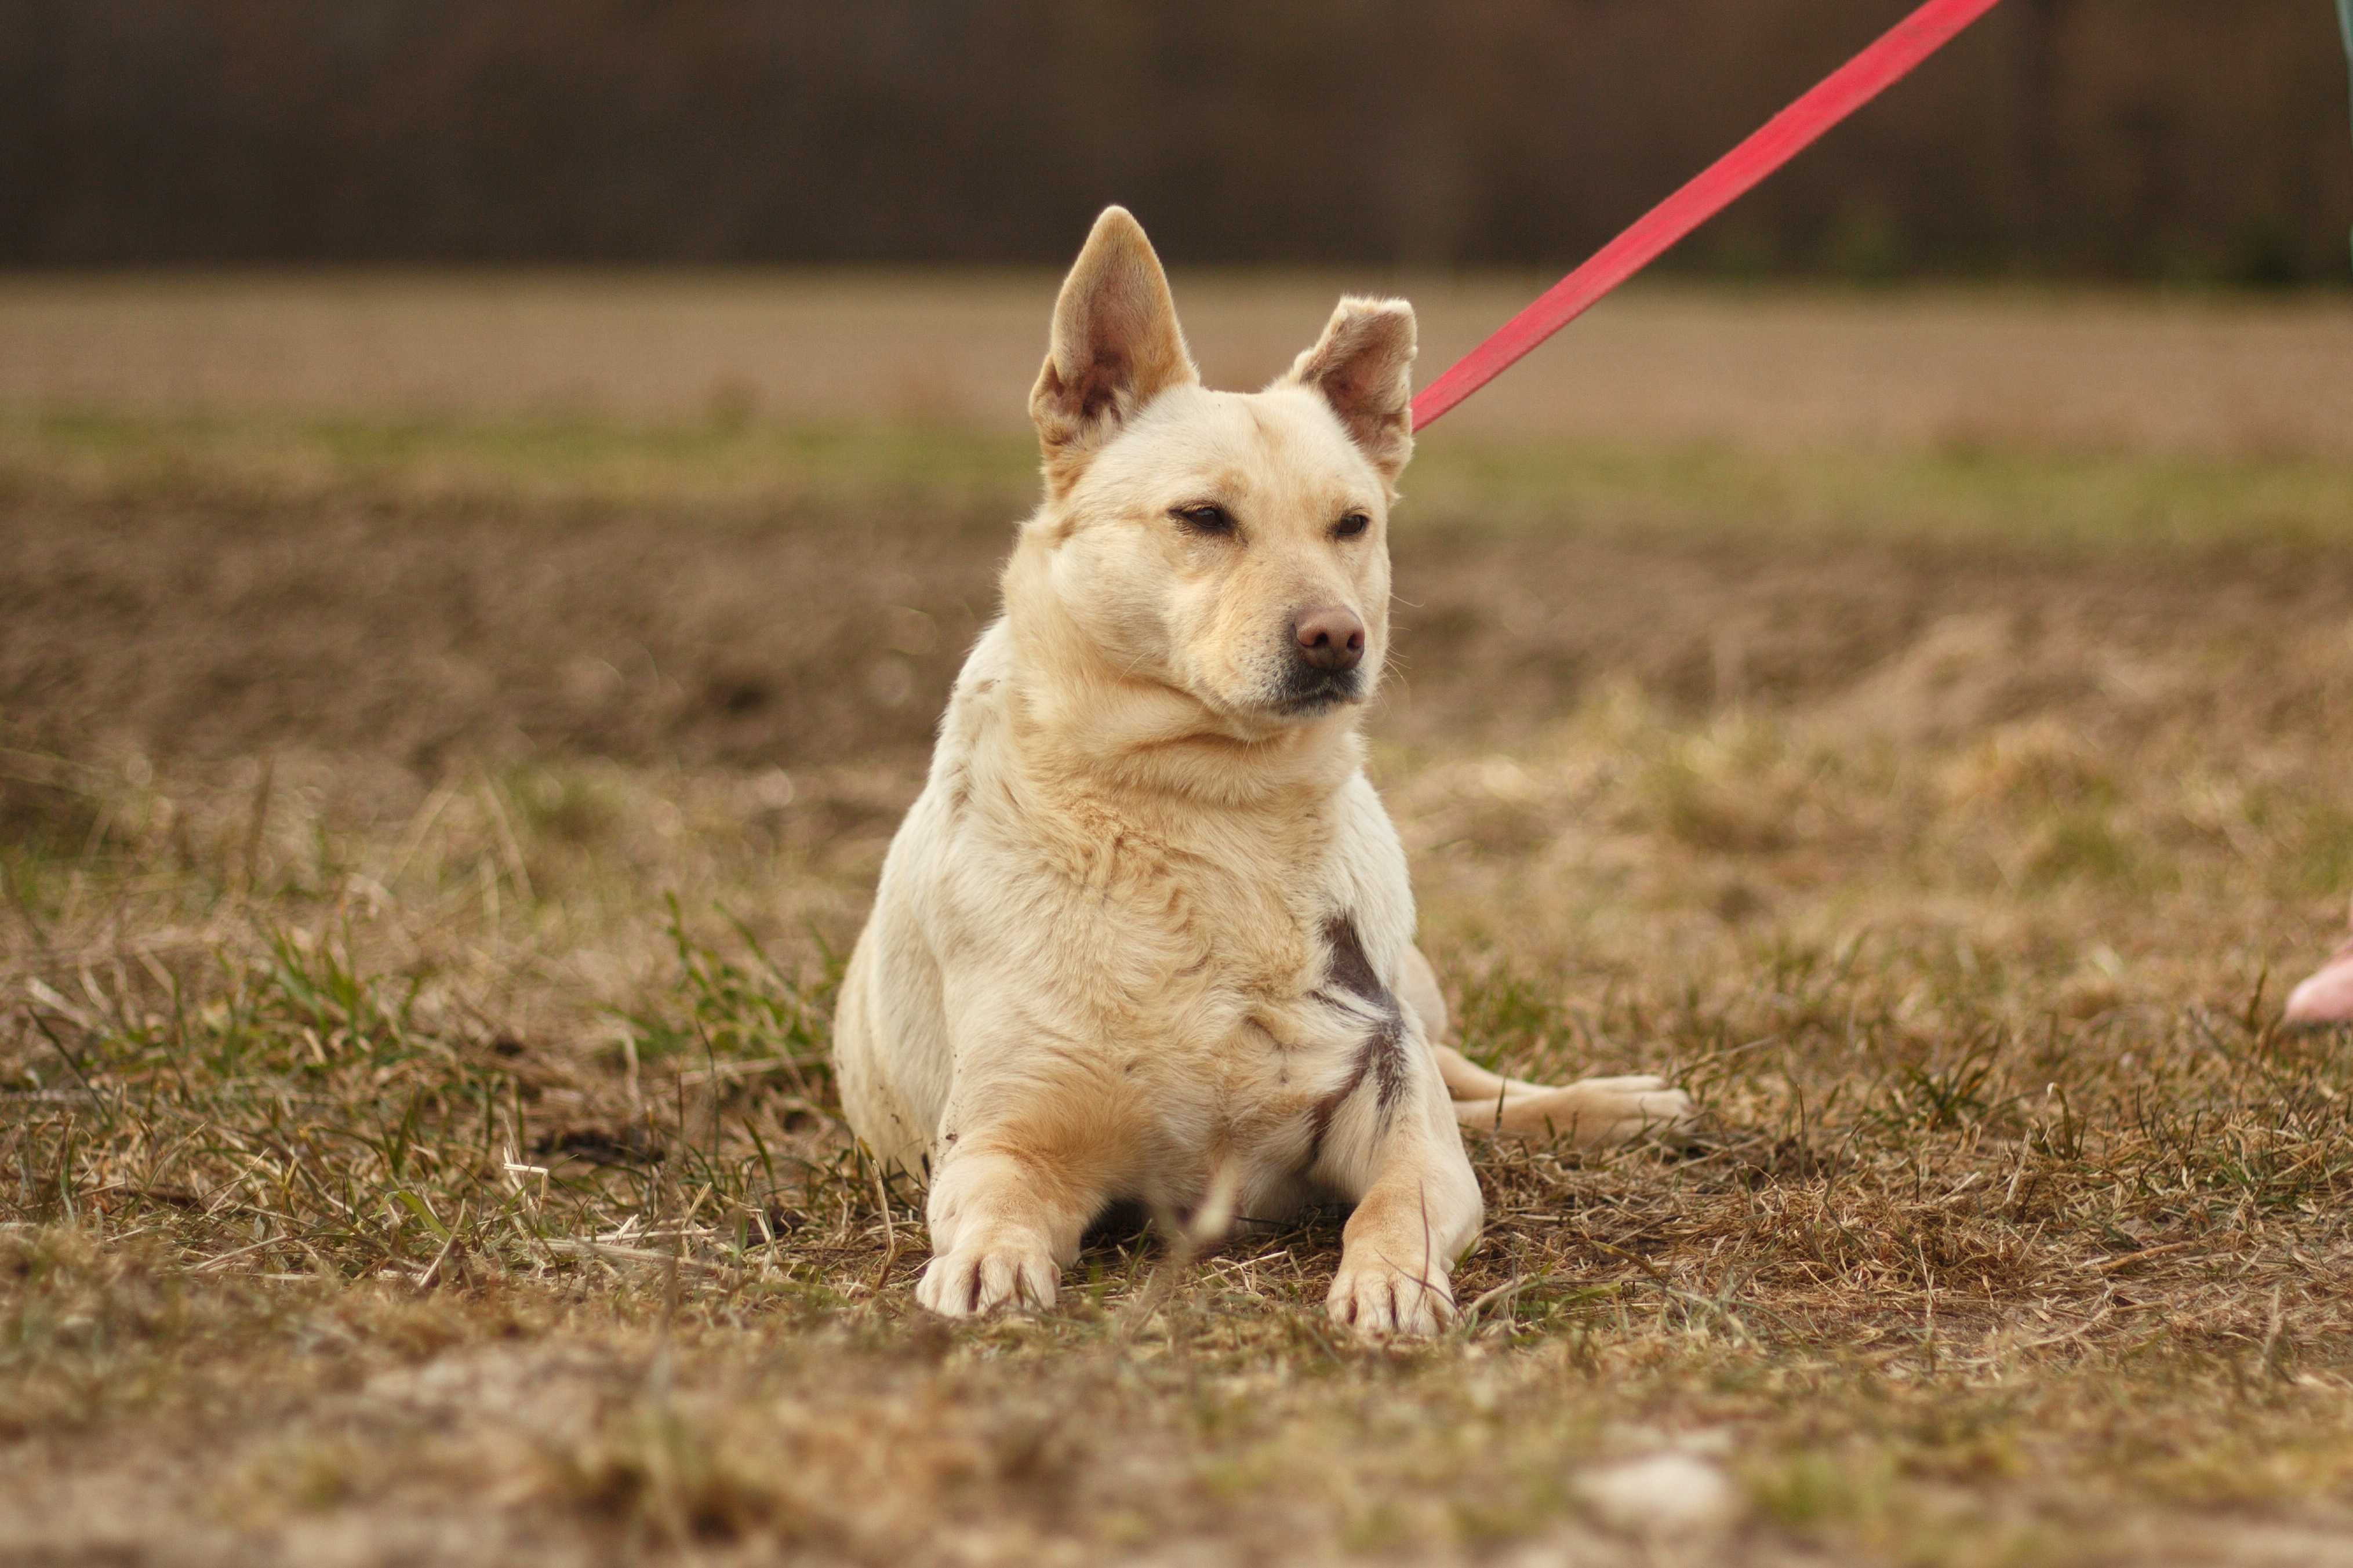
(1350, 526)
(1205, 518)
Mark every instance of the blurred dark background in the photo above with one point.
(2132, 139)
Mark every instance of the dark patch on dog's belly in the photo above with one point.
(1381, 1058)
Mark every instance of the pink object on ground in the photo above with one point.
(2328, 996)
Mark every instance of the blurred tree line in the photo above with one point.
(2116, 137)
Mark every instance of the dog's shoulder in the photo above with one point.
(964, 723)
(920, 873)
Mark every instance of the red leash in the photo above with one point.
(1789, 133)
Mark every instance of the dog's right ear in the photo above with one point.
(1115, 346)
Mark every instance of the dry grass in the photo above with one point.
(418, 1142)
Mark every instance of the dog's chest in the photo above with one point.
(1236, 981)
(1179, 932)
(1280, 1074)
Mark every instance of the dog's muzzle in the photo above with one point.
(1308, 690)
(1327, 649)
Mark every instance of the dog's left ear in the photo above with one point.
(1363, 365)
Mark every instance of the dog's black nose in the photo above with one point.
(1330, 638)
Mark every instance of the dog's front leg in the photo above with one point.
(1009, 1199)
(1418, 1210)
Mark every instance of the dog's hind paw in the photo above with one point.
(981, 1278)
(1640, 1105)
(1378, 1301)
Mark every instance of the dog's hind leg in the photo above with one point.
(1418, 989)
(1594, 1114)
(1466, 1081)
(1469, 1083)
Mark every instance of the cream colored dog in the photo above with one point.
(1147, 933)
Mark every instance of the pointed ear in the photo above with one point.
(1363, 367)
(1115, 345)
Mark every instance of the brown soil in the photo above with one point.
(215, 628)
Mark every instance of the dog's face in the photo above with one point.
(1232, 547)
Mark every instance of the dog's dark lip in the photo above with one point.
(1330, 694)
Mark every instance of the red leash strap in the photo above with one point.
(1789, 133)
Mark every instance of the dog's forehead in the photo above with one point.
(1282, 443)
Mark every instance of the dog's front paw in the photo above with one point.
(1379, 1300)
(1002, 1271)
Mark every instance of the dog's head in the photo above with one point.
(1229, 547)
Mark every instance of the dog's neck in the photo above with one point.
(1079, 720)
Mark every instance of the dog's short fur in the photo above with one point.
(1146, 935)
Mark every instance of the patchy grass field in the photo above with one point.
(428, 845)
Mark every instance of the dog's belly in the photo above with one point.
(1256, 1178)
(1235, 1132)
